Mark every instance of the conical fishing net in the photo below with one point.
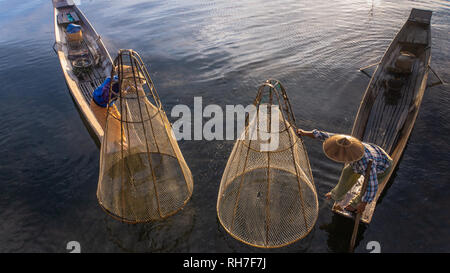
(267, 196)
(143, 175)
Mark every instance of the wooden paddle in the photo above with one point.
(439, 82)
(359, 214)
(363, 70)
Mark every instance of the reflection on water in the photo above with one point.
(220, 50)
(151, 237)
(340, 231)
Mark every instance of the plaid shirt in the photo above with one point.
(379, 165)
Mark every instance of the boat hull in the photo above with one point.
(387, 124)
(81, 88)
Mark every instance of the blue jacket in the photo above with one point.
(101, 94)
(73, 28)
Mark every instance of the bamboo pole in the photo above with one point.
(439, 82)
(369, 66)
(359, 214)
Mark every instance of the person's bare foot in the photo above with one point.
(337, 207)
(328, 196)
(350, 208)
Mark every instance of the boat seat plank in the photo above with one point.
(382, 115)
(420, 16)
(387, 121)
(376, 116)
(63, 17)
(407, 109)
(63, 3)
(390, 121)
(417, 35)
(378, 89)
(398, 116)
(371, 120)
(87, 88)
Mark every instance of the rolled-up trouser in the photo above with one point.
(348, 180)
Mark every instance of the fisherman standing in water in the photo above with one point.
(356, 155)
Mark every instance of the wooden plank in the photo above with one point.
(409, 107)
(377, 89)
(87, 89)
(84, 91)
(372, 120)
(63, 3)
(366, 106)
(393, 116)
(63, 17)
(398, 116)
(378, 116)
(405, 90)
(420, 15)
(378, 112)
(364, 111)
(79, 99)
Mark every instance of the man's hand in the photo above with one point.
(361, 207)
(301, 132)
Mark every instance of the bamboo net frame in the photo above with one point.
(267, 198)
(143, 175)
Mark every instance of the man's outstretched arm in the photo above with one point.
(305, 133)
(316, 134)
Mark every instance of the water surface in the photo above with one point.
(220, 50)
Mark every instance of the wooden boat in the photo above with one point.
(390, 105)
(85, 63)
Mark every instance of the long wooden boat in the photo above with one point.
(389, 108)
(91, 54)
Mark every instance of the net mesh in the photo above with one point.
(267, 197)
(143, 175)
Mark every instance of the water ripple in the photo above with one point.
(220, 50)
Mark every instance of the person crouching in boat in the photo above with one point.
(100, 96)
(356, 155)
(99, 106)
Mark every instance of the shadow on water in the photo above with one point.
(340, 232)
(168, 235)
(85, 123)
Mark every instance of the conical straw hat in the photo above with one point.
(343, 148)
